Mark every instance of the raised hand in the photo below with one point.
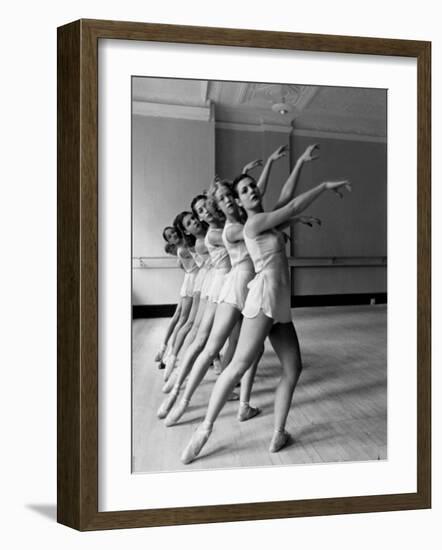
(338, 187)
(279, 153)
(252, 165)
(309, 154)
(309, 220)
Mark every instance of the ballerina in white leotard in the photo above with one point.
(195, 240)
(233, 294)
(171, 249)
(175, 239)
(267, 308)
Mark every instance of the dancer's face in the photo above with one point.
(192, 224)
(248, 194)
(226, 201)
(172, 236)
(202, 212)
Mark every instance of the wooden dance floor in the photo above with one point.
(339, 410)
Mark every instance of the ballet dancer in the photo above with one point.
(221, 266)
(267, 308)
(170, 248)
(197, 232)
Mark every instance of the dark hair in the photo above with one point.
(238, 179)
(178, 224)
(170, 249)
(195, 200)
(165, 229)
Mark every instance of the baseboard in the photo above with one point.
(322, 300)
(317, 300)
(147, 312)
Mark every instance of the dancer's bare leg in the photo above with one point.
(245, 411)
(181, 334)
(284, 341)
(226, 319)
(172, 324)
(251, 340)
(191, 354)
(191, 335)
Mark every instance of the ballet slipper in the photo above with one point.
(176, 413)
(246, 412)
(233, 396)
(167, 404)
(279, 440)
(193, 449)
(169, 384)
(160, 354)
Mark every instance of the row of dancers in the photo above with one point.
(235, 294)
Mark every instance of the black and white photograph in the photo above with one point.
(259, 274)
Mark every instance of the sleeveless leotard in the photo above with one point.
(269, 290)
(220, 262)
(234, 290)
(191, 269)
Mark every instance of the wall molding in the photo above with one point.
(286, 129)
(167, 262)
(164, 110)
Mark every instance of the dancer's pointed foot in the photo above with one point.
(233, 396)
(279, 440)
(167, 404)
(193, 449)
(160, 353)
(170, 365)
(169, 384)
(246, 412)
(176, 413)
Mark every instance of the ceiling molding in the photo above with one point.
(163, 110)
(263, 127)
(339, 135)
(245, 127)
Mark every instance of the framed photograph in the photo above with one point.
(243, 275)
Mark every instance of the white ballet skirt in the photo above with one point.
(191, 270)
(202, 259)
(187, 288)
(269, 290)
(235, 290)
(220, 266)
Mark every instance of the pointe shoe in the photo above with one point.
(233, 396)
(279, 440)
(160, 354)
(246, 412)
(169, 384)
(176, 413)
(193, 449)
(167, 404)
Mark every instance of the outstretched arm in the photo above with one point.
(264, 177)
(267, 220)
(251, 165)
(289, 188)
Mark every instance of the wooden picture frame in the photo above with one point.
(77, 460)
